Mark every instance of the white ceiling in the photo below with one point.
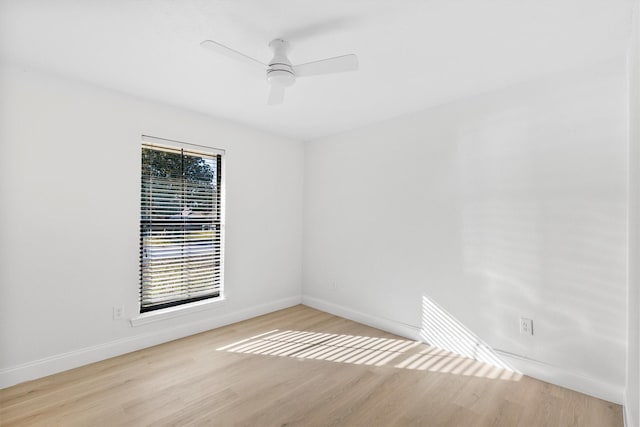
(413, 54)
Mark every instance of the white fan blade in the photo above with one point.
(337, 64)
(227, 51)
(276, 95)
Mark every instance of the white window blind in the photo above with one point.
(181, 226)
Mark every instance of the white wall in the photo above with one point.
(502, 205)
(632, 404)
(69, 212)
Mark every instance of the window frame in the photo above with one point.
(144, 316)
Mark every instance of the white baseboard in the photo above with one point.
(532, 368)
(73, 359)
(564, 377)
(629, 417)
(398, 328)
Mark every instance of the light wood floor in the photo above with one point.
(297, 367)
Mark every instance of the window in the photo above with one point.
(181, 224)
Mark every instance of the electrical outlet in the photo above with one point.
(118, 312)
(526, 326)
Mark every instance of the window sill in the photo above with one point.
(181, 310)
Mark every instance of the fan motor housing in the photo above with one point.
(280, 71)
(280, 75)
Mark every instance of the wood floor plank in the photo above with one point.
(297, 367)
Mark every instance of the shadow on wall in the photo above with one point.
(560, 261)
(543, 220)
(441, 329)
(541, 171)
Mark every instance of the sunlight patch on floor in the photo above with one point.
(358, 350)
(438, 360)
(368, 351)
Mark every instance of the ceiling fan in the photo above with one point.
(280, 72)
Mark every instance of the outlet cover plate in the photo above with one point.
(526, 326)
